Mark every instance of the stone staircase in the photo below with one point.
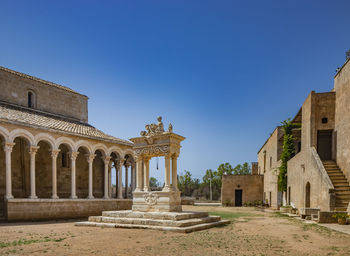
(340, 183)
(184, 222)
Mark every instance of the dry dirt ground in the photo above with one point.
(252, 232)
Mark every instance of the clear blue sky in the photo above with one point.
(224, 73)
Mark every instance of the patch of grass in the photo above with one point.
(31, 241)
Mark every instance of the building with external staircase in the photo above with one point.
(319, 174)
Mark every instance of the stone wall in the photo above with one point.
(270, 154)
(47, 98)
(252, 187)
(306, 167)
(342, 118)
(40, 209)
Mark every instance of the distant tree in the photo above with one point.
(242, 169)
(153, 182)
(185, 183)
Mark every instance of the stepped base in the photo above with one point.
(184, 222)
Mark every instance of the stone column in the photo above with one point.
(8, 149)
(54, 154)
(73, 157)
(106, 160)
(174, 172)
(126, 180)
(32, 152)
(138, 174)
(167, 173)
(110, 179)
(132, 169)
(120, 179)
(90, 159)
(146, 174)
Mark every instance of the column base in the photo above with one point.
(167, 189)
(106, 197)
(157, 201)
(9, 197)
(137, 190)
(90, 197)
(73, 197)
(55, 197)
(33, 197)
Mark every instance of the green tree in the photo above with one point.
(185, 183)
(288, 152)
(242, 169)
(153, 182)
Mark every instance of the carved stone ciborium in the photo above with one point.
(155, 142)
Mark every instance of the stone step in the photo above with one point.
(345, 197)
(333, 172)
(340, 209)
(341, 203)
(341, 185)
(154, 222)
(342, 191)
(163, 228)
(175, 216)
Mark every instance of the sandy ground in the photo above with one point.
(252, 232)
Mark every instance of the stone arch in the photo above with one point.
(5, 133)
(67, 141)
(86, 145)
(45, 137)
(101, 147)
(22, 133)
(129, 152)
(115, 150)
(307, 195)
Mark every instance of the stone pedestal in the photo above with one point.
(157, 201)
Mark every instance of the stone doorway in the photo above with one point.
(324, 144)
(307, 195)
(238, 197)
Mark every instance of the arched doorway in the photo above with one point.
(307, 195)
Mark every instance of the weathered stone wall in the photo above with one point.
(252, 187)
(272, 149)
(306, 165)
(40, 209)
(48, 98)
(342, 118)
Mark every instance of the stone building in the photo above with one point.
(53, 164)
(238, 190)
(268, 165)
(318, 176)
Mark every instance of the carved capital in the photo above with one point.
(54, 153)
(8, 147)
(121, 162)
(74, 155)
(107, 159)
(33, 150)
(90, 157)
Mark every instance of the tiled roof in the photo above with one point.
(26, 116)
(39, 80)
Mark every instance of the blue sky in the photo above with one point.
(224, 73)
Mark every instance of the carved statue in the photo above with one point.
(153, 129)
(170, 129)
